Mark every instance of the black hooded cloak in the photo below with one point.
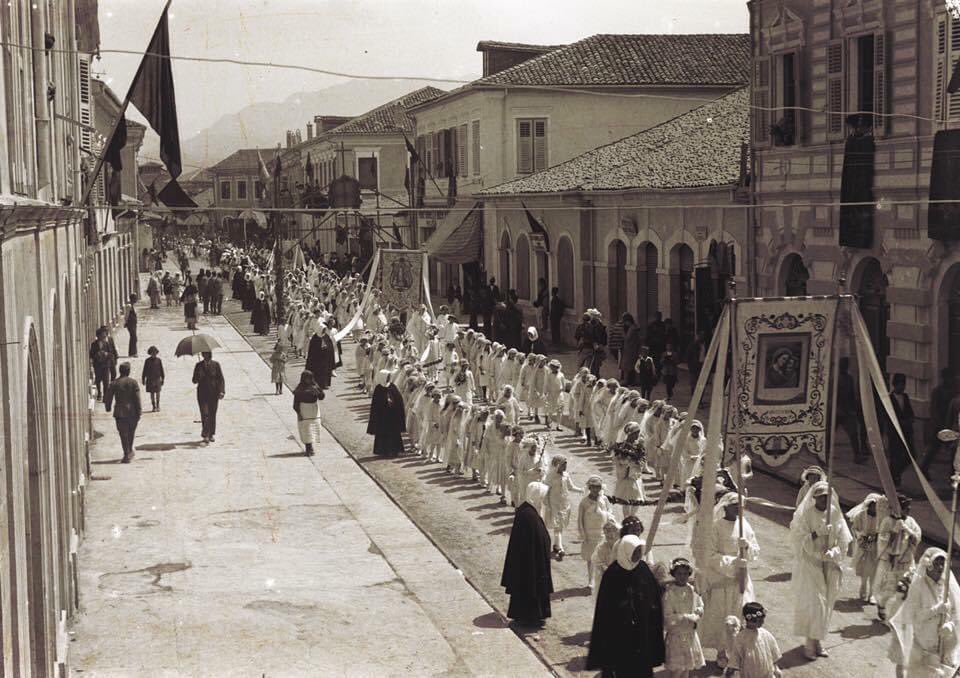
(526, 569)
(387, 421)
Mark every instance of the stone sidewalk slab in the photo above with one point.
(244, 558)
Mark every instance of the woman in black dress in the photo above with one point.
(627, 635)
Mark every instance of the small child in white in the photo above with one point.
(593, 513)
(557, 505)
(755, 651)
(604, 554)
(682, 610)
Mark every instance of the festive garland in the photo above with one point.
(632, 452)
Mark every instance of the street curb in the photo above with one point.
(533, 648)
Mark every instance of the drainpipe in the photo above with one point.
(752, 221)
(40, 107)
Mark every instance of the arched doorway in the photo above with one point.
(566, 281)
(61, 449)
(523, 267)
(949, 321)
(794, 276)
(617, 279)
(872, 300)
(36, 503)
(647, 293)
(682, 299)
(504, 281)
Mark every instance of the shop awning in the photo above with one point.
(458, 240)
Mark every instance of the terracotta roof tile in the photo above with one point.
(391, 117)
(709, 59)
(697, 149)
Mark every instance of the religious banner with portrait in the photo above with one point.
(781, 376)
(400, 278)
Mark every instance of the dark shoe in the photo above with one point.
(212, 439)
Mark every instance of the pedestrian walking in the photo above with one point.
(278, 363)
(102, 356)
(682, 611)
(900, 453)
(153, 291)
(387, 419)
(189, 299)
(557, 307)
(153, 377)
(306, 403)
(755, 653)
(130, 323)
(123, 397)
(646, 371)
(526, 568)
(668, 369)
(167, 285)
(211, 388)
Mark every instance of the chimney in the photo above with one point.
(309, 131)
(297, 136)
(289, 138)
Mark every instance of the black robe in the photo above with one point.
(526, 569)
(321, 359)
(387, 421)
(627, 635)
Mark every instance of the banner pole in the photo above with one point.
(831, 433)
(730, 435)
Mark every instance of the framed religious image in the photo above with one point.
(782, 363)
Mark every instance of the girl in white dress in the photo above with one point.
(557, 506)
(682, 610)
(592, 514)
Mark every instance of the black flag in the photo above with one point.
(152, 93)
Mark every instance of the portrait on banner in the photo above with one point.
(780, 394)
(400, 278)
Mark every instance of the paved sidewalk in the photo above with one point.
(244, 558)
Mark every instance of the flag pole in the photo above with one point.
(123, 109)
(730, 434)
(841, 284)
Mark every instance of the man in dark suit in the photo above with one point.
(211, 387)
(123, 395)
(900, 455)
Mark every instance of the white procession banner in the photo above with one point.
(779, 391)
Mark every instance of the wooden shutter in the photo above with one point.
(524, 146)
(835, 89)
(450, 151)
(462, 150)
(437, 154)
(539, 145)
(801, 89)
(475, 131)
(940, 85)
(880, 79)
(761, 101)
(952, 101)
(86, 117)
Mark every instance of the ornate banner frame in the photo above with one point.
(780, 387)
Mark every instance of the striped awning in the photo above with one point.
(458, 243)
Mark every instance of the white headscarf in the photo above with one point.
(536, 491)
(807, 519)
(625, 549)
(383, 377)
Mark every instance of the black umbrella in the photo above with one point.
(196, 343)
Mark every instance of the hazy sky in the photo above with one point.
(426, 38)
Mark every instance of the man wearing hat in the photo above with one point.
(591, 338)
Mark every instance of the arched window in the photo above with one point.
(504, 281)
(523, 267)
(682, 299)
(647, 288)
(794, 277)
(617, 279)
(872, 298)
(565, 272)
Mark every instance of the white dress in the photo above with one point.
(720, 579)
(309, 423)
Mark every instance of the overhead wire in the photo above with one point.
(581, 89)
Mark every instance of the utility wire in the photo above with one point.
(546, 88)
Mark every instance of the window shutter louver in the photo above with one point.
(86, 117)
(835, 89)
(476, 146)
(800, 83)
(539, 145)
(437, 159)
(524, 147)
(761, 102)
(880, 119)
(952, 101)
(462, 150)
(940, 85)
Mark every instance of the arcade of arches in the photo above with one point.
(46, 394)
